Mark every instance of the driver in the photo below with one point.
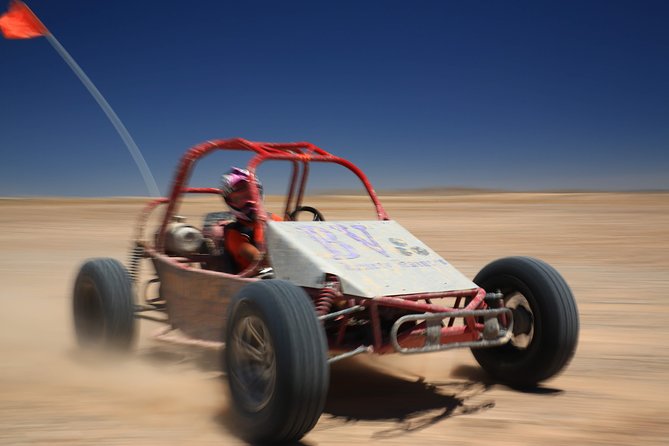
(240, 238)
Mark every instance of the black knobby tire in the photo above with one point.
(103, 306)
(280, 397)
(553, 318)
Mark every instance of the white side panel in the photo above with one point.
(372, 258)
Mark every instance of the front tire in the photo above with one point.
(545, 318)
(103, 306)
(276, 361)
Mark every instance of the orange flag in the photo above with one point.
(19, 22)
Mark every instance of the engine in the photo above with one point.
(182, 239)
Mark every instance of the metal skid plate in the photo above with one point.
(371, 258)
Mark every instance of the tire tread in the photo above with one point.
(558, 328)
(114, 287)
(303, 360)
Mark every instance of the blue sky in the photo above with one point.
(492, 94)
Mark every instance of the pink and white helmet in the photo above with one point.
(229, 182)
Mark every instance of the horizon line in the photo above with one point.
(390, 191)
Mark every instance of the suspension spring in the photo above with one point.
(325, 300)
(135, 256)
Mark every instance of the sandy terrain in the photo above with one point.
(613, 249)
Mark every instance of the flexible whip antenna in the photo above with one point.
(21, 23)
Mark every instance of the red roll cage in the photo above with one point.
(299, 153)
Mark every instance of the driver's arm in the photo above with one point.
(241, 249)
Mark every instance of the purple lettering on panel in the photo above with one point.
(364, 238)
(331, 243)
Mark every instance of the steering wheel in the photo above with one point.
(317, 214)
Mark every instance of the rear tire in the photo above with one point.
(276, 361)
(543, 299)
(103, 306)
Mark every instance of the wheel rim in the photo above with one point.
(523, 316)
(253, 367)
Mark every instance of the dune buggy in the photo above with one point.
(333, 289)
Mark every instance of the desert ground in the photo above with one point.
(612, 248)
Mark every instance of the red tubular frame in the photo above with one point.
(296, 152)
(301, 154)
(449, 334)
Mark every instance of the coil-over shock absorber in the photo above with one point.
(328, 294)
(136, 254)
